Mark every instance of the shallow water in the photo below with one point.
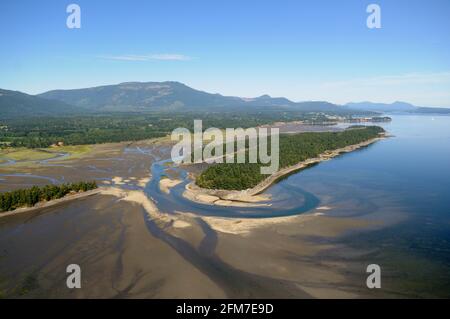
(300, 201)
(402, 182)
(396, 165)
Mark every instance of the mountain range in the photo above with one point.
(151, 96)
(169, 96)
(18, 104)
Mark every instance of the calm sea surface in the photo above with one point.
(404, 180)
(402, 183)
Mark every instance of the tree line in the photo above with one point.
(294, 148)
(31, 196)
(41, 132)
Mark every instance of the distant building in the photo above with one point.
(57, 144)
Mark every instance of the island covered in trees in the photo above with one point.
(294, 148)
(31, 196)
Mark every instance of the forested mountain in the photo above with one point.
(160, 96)
(17, 104)
(172, 97)
(148, 97)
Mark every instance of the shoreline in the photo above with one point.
(252, 197)
(315, 160)
(51, 203)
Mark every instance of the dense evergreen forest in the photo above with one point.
(41, 132)
(32, 196)
(294, 148)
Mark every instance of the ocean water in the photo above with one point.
(404, 183)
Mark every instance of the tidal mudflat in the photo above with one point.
(126, 252)
(139, 239)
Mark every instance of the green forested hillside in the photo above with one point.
(14, 104)
(174, 96)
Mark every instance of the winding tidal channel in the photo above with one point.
(295, 200)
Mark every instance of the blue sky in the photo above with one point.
(304, 50)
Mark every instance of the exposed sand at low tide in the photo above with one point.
(137, 197)
(232, 199)
(165, 184)
(121, 267)
(108, 238)
(143, 182)
(307, 223)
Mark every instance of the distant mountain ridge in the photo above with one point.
(18, 104)
(137, 96)
(172, 96)
(147, 96)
